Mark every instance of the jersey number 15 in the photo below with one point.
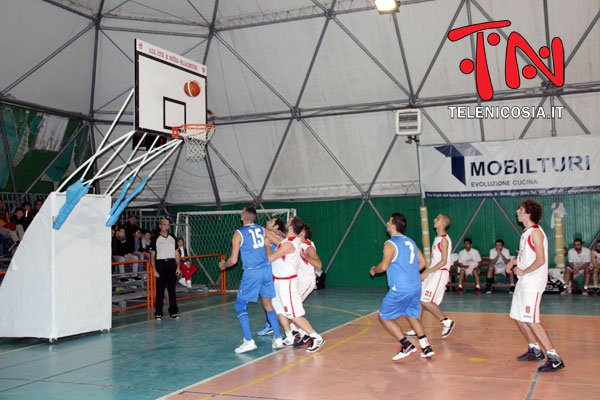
(257, 238)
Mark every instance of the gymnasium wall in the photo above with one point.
(364, 245)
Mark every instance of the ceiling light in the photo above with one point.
(386, 6)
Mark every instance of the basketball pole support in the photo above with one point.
(59, 281)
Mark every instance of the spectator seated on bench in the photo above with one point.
(123, 250)
(469, 263)
(499, 258)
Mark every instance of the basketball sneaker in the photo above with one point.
(303, 341)
(404, 352)
(410, 333)
(585, 291)
(447, 327)
(563, 290)
(315, 345)
(459, 291)
(478, 291)
(427, 352)
(158, 317)
(511, 290)
(532, 354)
(553, 364)
(268, 330)
(288, 342)
(277, 343)
(175, 316)
(247, 345)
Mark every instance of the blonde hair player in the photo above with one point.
(436, 276)
(532, 270)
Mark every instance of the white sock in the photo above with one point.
(460, 286)
(477, 287)
(552, 353)
(423, 342)
(534, 346)
(315, 335)
(293, 327)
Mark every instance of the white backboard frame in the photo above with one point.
(160, 99)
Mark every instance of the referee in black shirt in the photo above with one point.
(165, 265)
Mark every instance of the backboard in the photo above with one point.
(170, 90)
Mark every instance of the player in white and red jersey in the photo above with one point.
(532, 269)
(309, 264)
(435, 277)
(288, 304)
(596, 265)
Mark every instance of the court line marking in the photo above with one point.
(536, 375)
(364, 330)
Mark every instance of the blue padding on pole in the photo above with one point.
(74, 193)
(126, 184)
(115, 216)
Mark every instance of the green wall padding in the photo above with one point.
(364, 244)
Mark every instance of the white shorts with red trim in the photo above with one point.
(434, 287)
(287, 300)
(305, 287)
(525, 305)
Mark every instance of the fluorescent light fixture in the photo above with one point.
(386, 6)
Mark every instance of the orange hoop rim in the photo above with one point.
(191, 130)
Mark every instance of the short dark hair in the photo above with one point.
(279, 224)
(578, 240)
(18, 209)
(307, 231)
(468, 240)
(399, 221)
(448, 220)
(297, 225)
(26, 203)
(533, 208)
(500, 241)
(250, 214)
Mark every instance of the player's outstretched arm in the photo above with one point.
(388, 255)
(284, 249)
(310, 255)
(236, 242)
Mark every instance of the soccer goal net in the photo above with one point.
(210, 232)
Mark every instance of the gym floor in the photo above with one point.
(193, 358)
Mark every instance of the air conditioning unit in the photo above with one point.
(408, 122)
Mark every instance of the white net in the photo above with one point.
(211, 233)
(195, 138)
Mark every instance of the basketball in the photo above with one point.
(191, 88)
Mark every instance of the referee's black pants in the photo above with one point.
(166, 269)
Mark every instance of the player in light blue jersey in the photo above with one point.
(249, 241)
(402, 260)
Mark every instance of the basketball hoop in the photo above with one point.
(195, 137)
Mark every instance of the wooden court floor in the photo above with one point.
(193, 358)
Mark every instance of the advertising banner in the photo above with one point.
(526, 167)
